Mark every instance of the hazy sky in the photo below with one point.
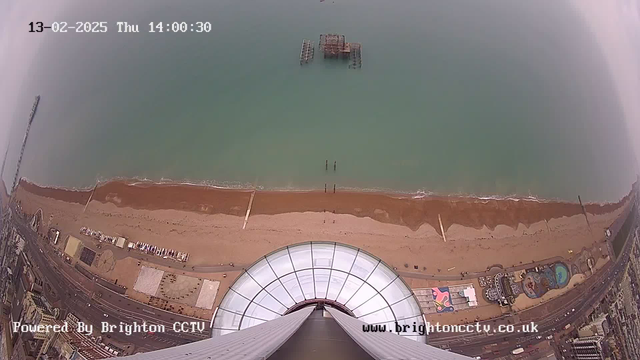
(615, 25)
(18, 49)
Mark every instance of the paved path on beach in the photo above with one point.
(120, 254)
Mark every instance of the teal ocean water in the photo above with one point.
(484, 97)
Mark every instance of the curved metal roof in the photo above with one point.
(359, 282)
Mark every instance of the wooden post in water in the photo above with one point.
(326, 165)
(334, 188)
(335, 163)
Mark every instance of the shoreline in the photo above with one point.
(238, 186)
(393, 208)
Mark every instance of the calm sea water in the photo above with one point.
(482, 97)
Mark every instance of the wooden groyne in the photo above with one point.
(307, 52)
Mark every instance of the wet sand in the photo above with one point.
(386, 208)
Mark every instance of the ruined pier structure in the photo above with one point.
(307, 52)
(336, 46)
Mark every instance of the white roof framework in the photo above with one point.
(338, 274)
(257, 343)
(260, 342)
(387, 346)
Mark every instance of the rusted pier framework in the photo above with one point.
(307, 52)
(355, 56)
(335, 46)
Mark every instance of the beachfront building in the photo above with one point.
(599, 326)
(588, 348)
(73, 345)
(37, 312)
(502, 288)
(297, 299)
(445, 299)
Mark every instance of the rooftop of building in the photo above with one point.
(39, 302)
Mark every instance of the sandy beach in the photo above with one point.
(403, 232)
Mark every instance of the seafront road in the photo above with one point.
(90, 301)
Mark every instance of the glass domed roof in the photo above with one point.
(348, 277)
